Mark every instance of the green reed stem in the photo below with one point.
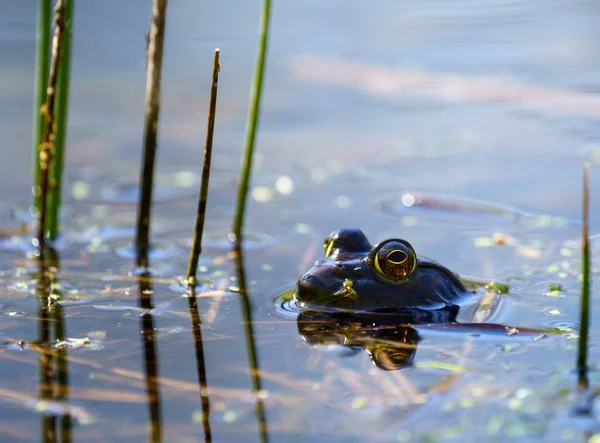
(62, 111)
(246, 309)
(42, 61)
(201, 214)
(46, 148)
(252, 123)
(153, 79)
(584, 324)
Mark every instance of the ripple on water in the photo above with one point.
(181, 286)
(415, 207)
(286, 304)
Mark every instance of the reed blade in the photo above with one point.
(252, 124)
(46, 148)
(584, 324)
(62, 108)
(201, 213)
(42, 64)
(156, 39)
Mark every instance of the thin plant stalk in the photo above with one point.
(46, 148)
(584, 324)
(246, 309)
(201, 214)
(153, 80)
(42, 61)
(252, 124)
(200, 362)
(62, 108)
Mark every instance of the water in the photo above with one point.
(492, 101)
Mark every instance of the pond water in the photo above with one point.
(481, 113)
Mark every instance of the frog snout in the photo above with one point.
(310, 287)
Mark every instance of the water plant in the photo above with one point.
(251, 125)
(584, 324)
(201, 213)
(62, 108)
(42, 62)
(48, 111)
(156, 39)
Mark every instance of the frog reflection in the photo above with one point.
(390, 346)
(385, 278)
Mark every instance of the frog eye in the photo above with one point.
(348, 240)
(328, 246)
(394, 260)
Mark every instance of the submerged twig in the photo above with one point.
(46, 148)
(62, 108)
(251, 125)
(153, 80)
(201, 214)
(585, 285)
(42, 61)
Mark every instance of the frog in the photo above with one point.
(386, 278)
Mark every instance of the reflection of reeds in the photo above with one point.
(150, 357)
(252, 124)
(585, 285)
(200, 215)
(251, 346)
(62, 369)
(201, 366)
(54, 369)
(62, 105)
(153, 78)
(42, 60)
(46, 147)
(46, 358)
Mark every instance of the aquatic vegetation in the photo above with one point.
(252, 124)
(201, 213)
(153, 84)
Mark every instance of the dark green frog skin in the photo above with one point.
(388, 277)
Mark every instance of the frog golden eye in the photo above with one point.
(393, 260)
(328, 246)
